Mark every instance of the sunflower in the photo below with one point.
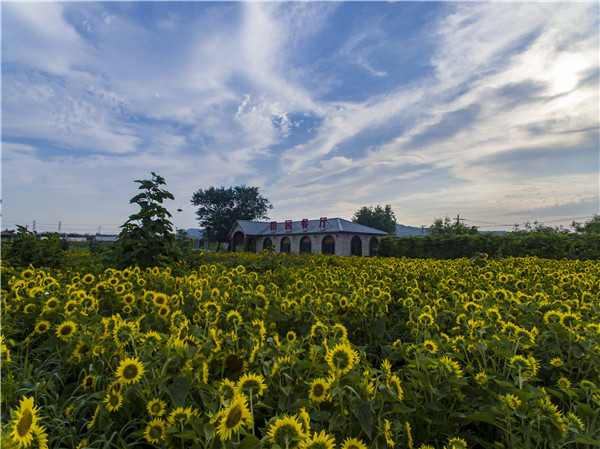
(511, 401)
(92, 423)
(156, 407)
(387, 432)
(556, 362)
(66, 330)
(41, 327)
(159, 299)
(233, 418)
(123, 333)
(113, 400)
(164, 311)
(27, 274)
(50, 304)
(481, 378)
(430, 346)
(180, 416)
(88, 381)
(88, 278)
(130, 370)
(353, 443)
(25, 422)
(457, 443)
(564, 383)
(287, 431)
(251, 384)
(233, 318)
(341, 358)
(290, 336)
(227, 389)
(319, 390)
(40, 438)
(155, 431)
(425, 319)
(318, 441)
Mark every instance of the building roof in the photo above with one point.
(331, 226)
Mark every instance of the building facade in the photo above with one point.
(330, 236)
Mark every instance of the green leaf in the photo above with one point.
(378, 326)
(364, 414)
(249, 442)
(179, 390)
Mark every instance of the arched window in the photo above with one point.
(328, 246)
(237, 242)
(285, 245)
(305, 245)
(373, 246)
(267, 244)
(356, 246)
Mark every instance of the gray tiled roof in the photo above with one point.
(332, 226)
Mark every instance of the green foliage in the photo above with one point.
(147, 237)
(553, 245)
(376, 217)
(592, 226)
(28, 248)
(448, 227)
(219, 208)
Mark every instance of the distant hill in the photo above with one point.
(195, 233)
(405, 231)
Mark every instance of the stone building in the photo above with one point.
(331, 236)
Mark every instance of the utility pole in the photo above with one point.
(33, 225)
(457, 219)
(59, 226)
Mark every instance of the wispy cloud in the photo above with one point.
(490, 108)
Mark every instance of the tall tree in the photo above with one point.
(448, 227)
(219, 208)
(377, 217)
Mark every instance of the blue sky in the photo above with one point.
(487, 110)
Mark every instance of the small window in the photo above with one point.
(285, 245)
(267, 244)
(305, 245)
(373, 246)
(356, 246)
(328, 246)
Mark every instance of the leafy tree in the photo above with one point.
(219, 208)
(447, 226)
(592, 226)
(147, 237)
(377, 217)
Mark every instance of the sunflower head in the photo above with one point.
(155, 431)
(251, 385)
(287, 432)
(233, 418)
(130, 370)
(341, 358)
(353, 443)
(318, 441)
(319, 390)
(66, 330)
(24, 423)
(156, 407)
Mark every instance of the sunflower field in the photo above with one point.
(282, 352)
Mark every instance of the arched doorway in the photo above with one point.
(328, 246)
(305, 245)
(237, 242)
(373, 246)
(252, 245)
(267, 244)
(356, 246)
(285, 246)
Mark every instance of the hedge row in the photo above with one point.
(547, 246)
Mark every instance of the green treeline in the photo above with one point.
(515, 244)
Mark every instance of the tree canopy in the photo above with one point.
(447, 226)
(592, 226)
(377, 217)
(219, 208)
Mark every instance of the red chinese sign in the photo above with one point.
(305, 224)
(288, 225)
(273, 226)
(322, 222)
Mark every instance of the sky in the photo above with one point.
(489, 111)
